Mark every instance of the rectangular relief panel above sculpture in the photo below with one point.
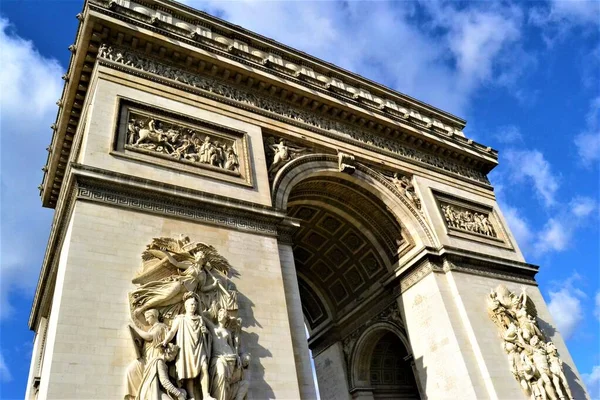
(179, 142)
(473, 221)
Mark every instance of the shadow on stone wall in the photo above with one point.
(420, 371)
(259, 388)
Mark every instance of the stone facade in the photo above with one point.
(345, 211)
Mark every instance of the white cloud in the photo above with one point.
(582, 207)
(443, 59)
(5, 375)
(558, 18)
(30, 86)
(597, 306)
(576, 11)
(565, 307)
(592, 381)
(530, 165)
(588, 141)
(555, 236)
(509, 134)
(518, 226)
(558, 232)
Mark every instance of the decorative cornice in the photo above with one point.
(447, 260)
(220, 36)
(256, 101)
(111, 22)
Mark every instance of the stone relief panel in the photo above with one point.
(179, 142)
(533, 360)
(471, 221)
(184, 326)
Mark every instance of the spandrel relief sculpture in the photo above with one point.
(533, 360)
(467, 220)
(280, 152)
(184, 326)
(404, 184)
(151, 134)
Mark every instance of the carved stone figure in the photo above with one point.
(281, 152)
(191, 364)
(558, 375)
(156, 384)
(296, 114)
(147, 351)
(534, 363)
(471, 221)
(226, 364)
(185, 283)
(406, 187)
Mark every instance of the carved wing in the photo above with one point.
(216, 260)
(527, 303)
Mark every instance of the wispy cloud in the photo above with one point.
(5, 375)
(508, 134)
(29, 82)
(592, 381)
(588, 141)
(565, 306)
(530, 166)
(442, 53)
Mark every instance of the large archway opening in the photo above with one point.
(346, 244)
(349, 242)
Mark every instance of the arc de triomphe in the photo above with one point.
(218, 195)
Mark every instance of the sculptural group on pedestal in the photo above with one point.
(195, 352)
(533, 360)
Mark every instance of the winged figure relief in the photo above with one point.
(172, 267)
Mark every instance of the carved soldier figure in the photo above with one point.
(150, 350)
(558, 375)
(156, 384)
(204, 151)
(191, 364)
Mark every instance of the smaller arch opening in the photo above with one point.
(391, 374)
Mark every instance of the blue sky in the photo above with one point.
(525, 75)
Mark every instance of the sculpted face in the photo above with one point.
(191, 305)
(151, 317)
(222, 315)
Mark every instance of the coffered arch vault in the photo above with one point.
(353, 231)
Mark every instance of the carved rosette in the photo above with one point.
(533, 359)
(184, 325)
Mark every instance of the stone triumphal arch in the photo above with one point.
(219, 196)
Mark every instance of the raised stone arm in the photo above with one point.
(172, 260)
(143, 334)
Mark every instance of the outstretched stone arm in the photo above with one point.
(172, 260)
(171, 334)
